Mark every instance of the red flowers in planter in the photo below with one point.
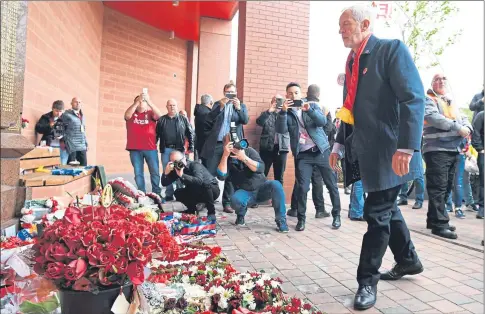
(97, 246)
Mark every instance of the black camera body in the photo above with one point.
(237, 142)
(179, 165)
(59, 129)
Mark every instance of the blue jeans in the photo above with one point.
(418, 189)
(357, 200)
(271, 189)
(151, 157)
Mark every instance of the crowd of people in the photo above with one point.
(385, 128)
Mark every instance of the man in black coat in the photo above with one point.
(200, 113)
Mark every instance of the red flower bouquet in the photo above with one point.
(96, 246)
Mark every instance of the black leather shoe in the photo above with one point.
(451, 228)
(322, 214)
(445, 233)
(347, 191)
(365, 298)
(402, 202)
(292, 213)
(418, 205)
(336, 222)
(300, 226)
(402, 270)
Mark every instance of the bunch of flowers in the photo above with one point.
(214, 286)
(56, 211)
(96, 246)
(25, 123)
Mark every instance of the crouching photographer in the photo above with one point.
(200, 187)
(244, 167)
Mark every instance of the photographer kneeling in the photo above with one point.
(200, 185)
(246, 171)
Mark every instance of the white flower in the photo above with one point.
(260, 282)
(193, 269)
(50, 217)
(248, 297)
(265, 277)
(274, 284)
(227, 294)
(278, 303)
(49, 203)
(185, 279)
(207, 303)
(305, 312)
(252, 306)
(222, 303)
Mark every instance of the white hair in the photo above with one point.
(361, 12)
(205, 99)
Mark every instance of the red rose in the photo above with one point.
(89, 237)
(158, 228)
(106, 258)
(93, 253)
(295, 302)
(120, 266)
(54, 270)
(216, 250)
(135, 273)
(72, 216)
(75, 269)
(56, 252)
(83, 284)
(307, 307)
(134, 245)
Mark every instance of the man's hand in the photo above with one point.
(272, 106)
(228, 147)
(239, 154)
(464, 131)
(223, 102)
(400, 163)
(237, 103)
(180, 172)
(305, 106)
(288, 103)
(169, 168)
(333, 161)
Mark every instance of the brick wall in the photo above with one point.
(272, 51)
(134, 55)
(62, 61)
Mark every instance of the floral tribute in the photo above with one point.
(212, 285)
(96, 247)
(13, 242)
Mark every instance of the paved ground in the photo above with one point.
(320, 263)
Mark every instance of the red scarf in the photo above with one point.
(351, 81)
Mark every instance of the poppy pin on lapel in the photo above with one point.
(365, 71)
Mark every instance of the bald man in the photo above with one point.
(173, 130)
(75, 133)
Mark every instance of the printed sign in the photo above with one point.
(384, 9)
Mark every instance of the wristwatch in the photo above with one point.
(246, 160)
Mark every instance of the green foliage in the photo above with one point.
(425, 28)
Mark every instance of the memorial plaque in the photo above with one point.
(13, 34)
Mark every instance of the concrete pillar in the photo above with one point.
(272, 51)
(192, 71)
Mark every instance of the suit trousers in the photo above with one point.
(211, 164)
(385, 226)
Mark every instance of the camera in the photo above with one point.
(279, 102)
(179, 165)
(297, 103)
(59, 129)
(237, 142)
(230, 95)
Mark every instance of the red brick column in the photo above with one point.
(272, 51)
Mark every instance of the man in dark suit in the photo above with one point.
(384, 101)
(200, 113)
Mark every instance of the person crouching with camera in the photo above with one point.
(51, 127)
(199, 185)
(245, 168)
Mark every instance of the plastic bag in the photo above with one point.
(471, 165)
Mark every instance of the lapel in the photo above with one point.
(364, 57)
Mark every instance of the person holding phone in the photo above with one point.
(141, 119)
(309, 144)
(216, 126)
(273, 147)
(244, 167)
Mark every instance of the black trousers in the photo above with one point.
(440, 174)
(480, 169)
(317, 192)
(385, 226)
(277, 159)
(305, 163)
(211, 164)
(79, 156)
(192, 195)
